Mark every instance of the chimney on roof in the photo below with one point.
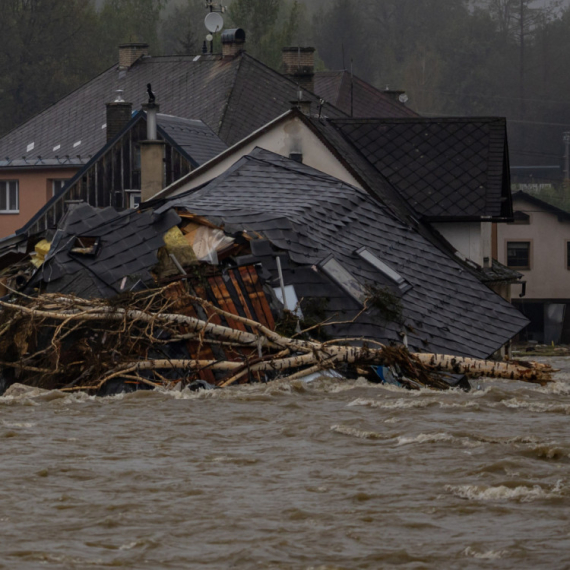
(119, 113)
(129, 53)
(233, 42)
(152, 156)
(299, 65)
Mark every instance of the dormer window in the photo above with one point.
(344, 279)
(385, 269)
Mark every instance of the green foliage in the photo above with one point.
(314, 311)
(45, 52)
(182, 31)
(387, 303)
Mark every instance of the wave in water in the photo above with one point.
(522, 493)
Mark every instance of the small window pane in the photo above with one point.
(345, 279)
(518, 254)
(14, 202)
(57, 186)
(3, 196)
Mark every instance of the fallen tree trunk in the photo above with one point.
(60, 341)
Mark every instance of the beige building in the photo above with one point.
(537, 245)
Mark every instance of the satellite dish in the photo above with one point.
(214, 22)
(403, 98)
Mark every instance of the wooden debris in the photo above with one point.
(63, 342)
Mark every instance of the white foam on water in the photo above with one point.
(400, 404)
(437, 438)
(354, 432)
(522, 493)
(25, 425)
(489, 555)
(538, 407)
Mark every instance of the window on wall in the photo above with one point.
(9, 197)
(134, 198)
(57, 186)
(518, 254)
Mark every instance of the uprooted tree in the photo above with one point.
(151, 338)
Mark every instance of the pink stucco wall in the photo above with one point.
(35, 189)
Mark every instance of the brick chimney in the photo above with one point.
(299, 65)
(233, 42)
(152, 156)
(129, 53)
(119, 113)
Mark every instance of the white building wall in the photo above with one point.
(465, 237)
(289, 137)
(548, 276)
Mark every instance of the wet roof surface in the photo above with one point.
(310, 216)
(354, 94)
(129, 242)
(443, 168)
(193, 136)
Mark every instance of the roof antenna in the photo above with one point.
(351, 88)
(321, 105)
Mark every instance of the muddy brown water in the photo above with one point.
(330, 475)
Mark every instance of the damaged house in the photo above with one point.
(327, 250)
(448, 177)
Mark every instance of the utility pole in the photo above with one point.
(566, 158)
(522, 70)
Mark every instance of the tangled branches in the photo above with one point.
(166, 336)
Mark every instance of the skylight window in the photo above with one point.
(30, 147)
(75, 145)
(56, 147)
(104, 126)
(344, 279)
(386, 270)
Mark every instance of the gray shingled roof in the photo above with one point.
(310, 215)
(129, 244)
(445, 168)
(233, 97)
(193, 136)
(353, 94)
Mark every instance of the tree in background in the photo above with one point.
(124, 21)
(270, 25)
(45, 52)
(182, 31)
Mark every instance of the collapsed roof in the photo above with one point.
(311, 220)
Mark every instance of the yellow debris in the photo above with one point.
(42, 249)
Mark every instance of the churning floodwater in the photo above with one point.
(329, 475)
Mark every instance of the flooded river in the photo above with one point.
(330, 475)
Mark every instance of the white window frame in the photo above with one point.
(343, 278)
(365, 254)
(5, 186)
(60, 182)
(134, 196)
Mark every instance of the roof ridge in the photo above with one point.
(57, 102)
(231, 94)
